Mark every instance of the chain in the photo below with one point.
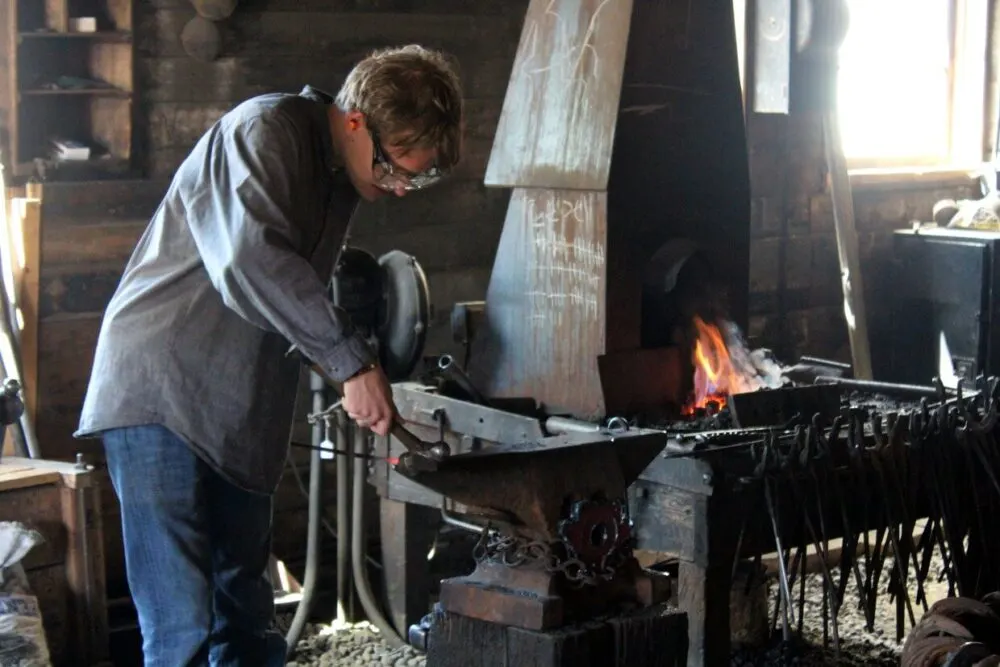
(512, 551)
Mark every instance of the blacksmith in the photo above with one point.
(191, 389)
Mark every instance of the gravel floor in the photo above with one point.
(354, 646)
(360, 645)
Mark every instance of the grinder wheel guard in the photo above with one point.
(389, 301)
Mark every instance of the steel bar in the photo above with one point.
(825, 362)
(889, 388)
(450, 369)
(564, 425)
(786, 595)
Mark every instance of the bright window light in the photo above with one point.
(911, 82)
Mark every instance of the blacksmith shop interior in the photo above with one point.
(520, 333)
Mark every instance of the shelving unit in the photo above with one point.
(71, 84)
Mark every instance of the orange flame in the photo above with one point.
(716, 377)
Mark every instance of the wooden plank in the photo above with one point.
(37, 506)
(7, 60)
(66, 348)
(75, 289)
(380, 6)
(19, 476)
(233, 78)
(174, 127)
(67, 203)
(27, 220)
(85, 578)
(453, 203)
(567, 77)
(329, 34)
(57, 15)
(98, 243)
(847, 249)
(84, 288)
(548, 285)
(652, 637)
(120, 13)
(49, 585)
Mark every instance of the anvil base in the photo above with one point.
(535, 599)
(651, 637)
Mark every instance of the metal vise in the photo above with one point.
(11, 406)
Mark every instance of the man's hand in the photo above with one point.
(368, 400)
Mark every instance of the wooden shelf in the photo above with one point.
(107, 92)
(100, 35)
(44, 52)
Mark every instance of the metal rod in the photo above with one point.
(564, 425)
(829, 363)
(786, 594)
(458, 523)
(451, 370)
(344, 584)
(880, 387)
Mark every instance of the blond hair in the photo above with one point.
(412, 97)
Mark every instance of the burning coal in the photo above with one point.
(724, 366)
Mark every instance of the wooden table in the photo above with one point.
(66, 572)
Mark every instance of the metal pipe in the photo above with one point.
(880, 387)
(829, 363)
(315, 515)
(564, 425)
(451, 370)
(458, 523)
(361, 583)
(344, 584)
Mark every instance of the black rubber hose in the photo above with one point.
(358, 547)
(318, 387)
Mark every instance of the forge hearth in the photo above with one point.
(615, 210)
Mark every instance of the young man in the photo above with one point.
(191, 388)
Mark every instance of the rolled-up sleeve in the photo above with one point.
(244, 223)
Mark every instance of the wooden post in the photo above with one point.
(85, 575)
(407, 533)
(27, 300)
(847, 249)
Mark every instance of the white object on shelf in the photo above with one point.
(83, 24)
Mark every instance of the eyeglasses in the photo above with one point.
(390, 177)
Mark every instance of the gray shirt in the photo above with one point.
(233, 268)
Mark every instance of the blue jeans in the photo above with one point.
(196, 551)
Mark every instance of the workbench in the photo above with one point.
(66, 572)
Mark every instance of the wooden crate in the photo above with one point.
(66, 572)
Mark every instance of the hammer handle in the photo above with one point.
(400, 432)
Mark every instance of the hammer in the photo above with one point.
(419, 456)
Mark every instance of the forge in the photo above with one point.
(608, 409)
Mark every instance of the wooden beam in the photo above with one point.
(847, 248)
(30, 223)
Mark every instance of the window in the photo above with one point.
(911, 85)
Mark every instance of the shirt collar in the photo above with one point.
(323, 100)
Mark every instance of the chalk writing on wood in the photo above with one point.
(569, 259)
(567, 79)
(577, 64)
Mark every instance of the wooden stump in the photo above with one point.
(654, 637)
